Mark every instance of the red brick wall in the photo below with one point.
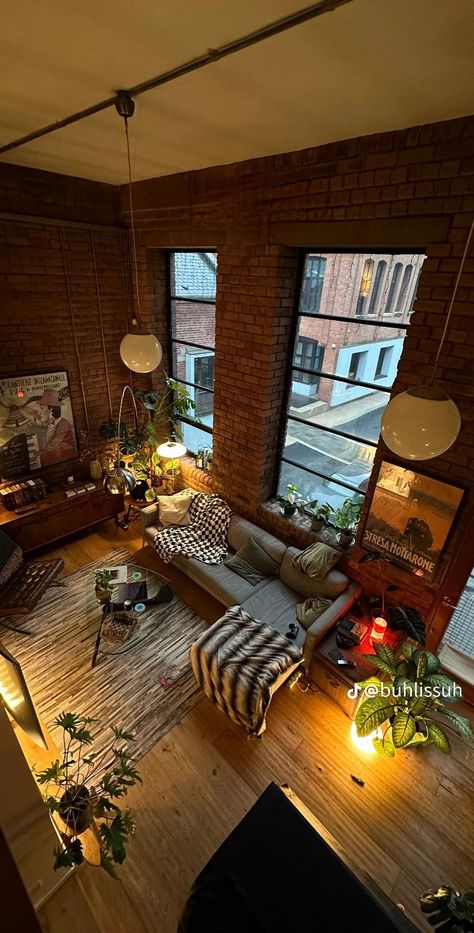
(240, 210)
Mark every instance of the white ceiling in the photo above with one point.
(369, 66)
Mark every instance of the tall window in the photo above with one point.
(333, 422)
(312, 284)
(402, 295)
(377, 287)
(392, 291)
(193, 318)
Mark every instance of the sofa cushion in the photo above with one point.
(275, 605)
(173, 510)
(317, 560)
(333, 584)
(218, 580)
(240, 530)
(239, 565)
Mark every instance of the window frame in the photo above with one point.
(192, 299)
(356, 318)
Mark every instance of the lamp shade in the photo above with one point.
(119, 481)
(171, 450)
(142, 353)
(421, 423)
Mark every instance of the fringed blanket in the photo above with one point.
(237, 661)
(204, 538)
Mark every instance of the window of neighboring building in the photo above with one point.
(365, 283)
(377, 287)
(193, 313)
(383, 362)
(342, 368)
(312, 285)
(400, 306)
(393, 288)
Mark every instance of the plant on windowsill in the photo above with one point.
(403, 696)
(346, 519)
(81, 800)
(319, 514)
(452, 910)
(290, 503)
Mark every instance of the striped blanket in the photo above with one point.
(236, 663)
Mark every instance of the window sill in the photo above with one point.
(298, 527)
(191, 476)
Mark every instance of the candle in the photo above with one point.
(378, 629)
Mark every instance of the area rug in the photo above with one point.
(147, 690)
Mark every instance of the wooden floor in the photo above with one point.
(411, 825)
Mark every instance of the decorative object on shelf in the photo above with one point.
(377, 633)
(346, 519)
(103, 586)
(89, 447)
(424, 422)
(36, 423)
(404, 697)
(80, 800)
(17, 699)
(23, 494)
(140, 351)
(410, 517)
(119, 479)
(449, 910)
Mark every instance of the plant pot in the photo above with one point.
(103, 594)
(95, 469)
(317, 524)
(289, 510)
(345, 537)
(138, 492)
(75, 809)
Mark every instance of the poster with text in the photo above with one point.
(410, 518)
(36, 423)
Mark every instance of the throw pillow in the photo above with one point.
(173, 510)
(311, 609)
(317, 560)
(252, 563)
(244, 569)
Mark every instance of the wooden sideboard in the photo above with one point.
(57, 516)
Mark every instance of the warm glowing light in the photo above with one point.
(378, 630)
(20, 393)
(171, 450)
(363, 742)
(12, 700)
(421, 423)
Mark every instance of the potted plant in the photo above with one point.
(82, 800)
(346, 519)
(454, 912)
(103, 588)
(290, 503)
(403, 698)
(319, 514)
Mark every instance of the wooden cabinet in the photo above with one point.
(57, 517)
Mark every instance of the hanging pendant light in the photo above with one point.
(139, 350)
(424, 422)
(171, 450)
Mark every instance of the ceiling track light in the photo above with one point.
(424, 422)
(139, 350)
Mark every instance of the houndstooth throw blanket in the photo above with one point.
(237, 661)
(204, 538)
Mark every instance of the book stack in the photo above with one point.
(19, 495)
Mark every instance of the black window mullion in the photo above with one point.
(321, 475)
(195, 424)
(194, 385)
(352, 382)
(187, 343)
(337, 431)
(200, 301)
(361, 321)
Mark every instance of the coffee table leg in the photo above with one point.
(105, 610)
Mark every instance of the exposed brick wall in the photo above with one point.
(47, 194)
(245, 211)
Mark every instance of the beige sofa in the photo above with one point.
(274, 599)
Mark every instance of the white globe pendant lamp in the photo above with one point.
(139, 350)
(424, 422)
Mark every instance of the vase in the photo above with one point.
(103, 593)
(95, 469)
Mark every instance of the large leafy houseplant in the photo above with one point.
(74, 790)
(346, 518)
(401, 701)
(449, 911)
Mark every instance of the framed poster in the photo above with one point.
(36, 423)
(410, 518)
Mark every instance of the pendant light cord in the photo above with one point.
(451, 303)
(132, 224)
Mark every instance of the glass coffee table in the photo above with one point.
(138, 601)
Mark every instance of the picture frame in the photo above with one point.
(37, 425)
(410, 517)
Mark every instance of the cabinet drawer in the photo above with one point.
(335, 687)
